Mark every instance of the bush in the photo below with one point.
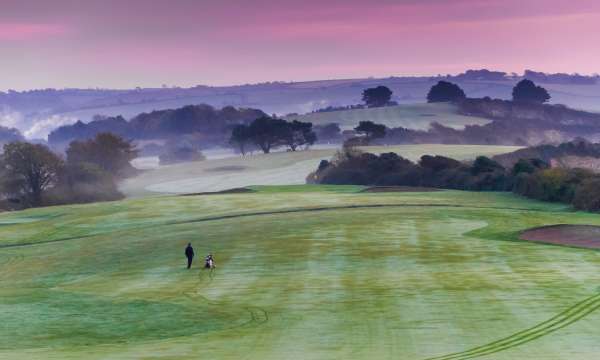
(180, 150)
(529, 166)
(528, 177)
(587, 195)
(438, 163)
(555, 184)
(484, 164)
(352, 166)
(84, 183)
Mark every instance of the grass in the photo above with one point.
(283, 168)
(304, 272)
(411, 116)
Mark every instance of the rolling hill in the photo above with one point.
(51, 108)
(410, 116)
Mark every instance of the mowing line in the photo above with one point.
(260, 316)
(563, 319)
(262, 213)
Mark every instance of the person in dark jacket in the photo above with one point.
(189, 253)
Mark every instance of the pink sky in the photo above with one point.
(121, 43)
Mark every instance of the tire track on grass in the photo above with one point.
(563, 319)
(258, 315)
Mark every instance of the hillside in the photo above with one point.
(212, 127)
(410, 116)
(283, 168)
(58, 107)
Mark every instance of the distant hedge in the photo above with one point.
(532, 178)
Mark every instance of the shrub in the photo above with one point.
(529, 166)
(587, 195)
(84, 183)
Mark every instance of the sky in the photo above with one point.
(148, 43)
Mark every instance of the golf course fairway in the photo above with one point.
(303, 272)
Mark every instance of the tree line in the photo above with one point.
(525, 91)
(212, 125)
(528, 99)
(32, 175)
(529, 177)
(268, 133)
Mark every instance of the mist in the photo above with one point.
(33, 127)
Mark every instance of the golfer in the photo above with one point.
(189, 253)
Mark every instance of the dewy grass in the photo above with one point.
(281, 168)
(302, 272)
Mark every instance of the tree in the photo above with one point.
(527, 91)
(484, 164)
(529, 166)
(10, 135)
(587, 195)
(180, 150)
(328, 132)
(267, 132)
(83, 183)
(377, 97)
(445, 91)
(298, 134)
(240, 137)
(438, 163)
(28, 170)
(110, 152)
(370, 130)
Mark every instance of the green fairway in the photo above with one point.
(304, 272)
(282, 168)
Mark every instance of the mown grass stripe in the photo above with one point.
(517, 338)
(263, 213)
(565, 318)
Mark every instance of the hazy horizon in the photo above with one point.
(120, 45)
(366, 77)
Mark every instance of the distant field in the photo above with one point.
(284, 168)
(307, 96)
(411, 116)
(129, 111)
(303, 272)
(582, 97)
